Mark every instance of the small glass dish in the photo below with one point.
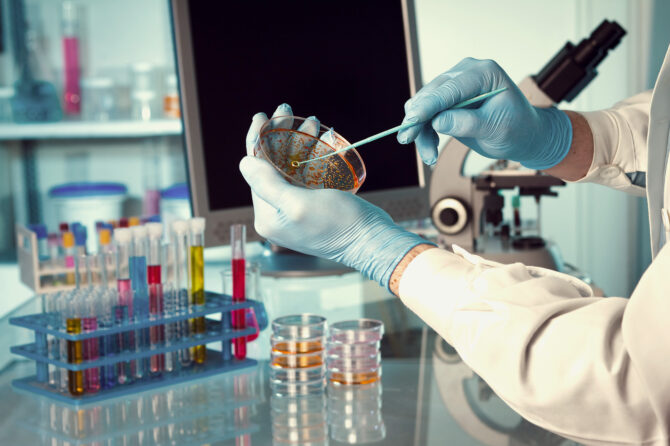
(297, 361)
(340, 350)
(355, 363)
(287, 141)
(356, 331)
(297, 374)
(299, 326)
(280, 388)
(283, 345)
(338, 377)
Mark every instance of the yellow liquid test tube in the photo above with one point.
(75, 356)
(197, 263)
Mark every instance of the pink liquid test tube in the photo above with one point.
(238, 236)
(71, 71)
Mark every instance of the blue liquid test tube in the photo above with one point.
(139, 284)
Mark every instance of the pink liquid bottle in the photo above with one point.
(71, 69)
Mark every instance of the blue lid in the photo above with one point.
(177, 191)
(79, 234)
(87, 189)
(154, 219)
(39, 229)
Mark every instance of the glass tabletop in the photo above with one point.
(426, 396)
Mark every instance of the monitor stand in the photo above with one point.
(276, 261)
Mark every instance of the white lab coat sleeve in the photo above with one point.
(591, 369)
(620, 144)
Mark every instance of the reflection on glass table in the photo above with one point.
(427, 396)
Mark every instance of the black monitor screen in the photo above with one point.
(343, 61)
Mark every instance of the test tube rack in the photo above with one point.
(32, 272)
(217, 361)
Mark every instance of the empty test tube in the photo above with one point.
(123, 310)
(180, 237)
(197, 231)
(170, 306)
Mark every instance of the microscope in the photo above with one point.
(467, 210)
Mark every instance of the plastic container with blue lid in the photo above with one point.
(88, 202)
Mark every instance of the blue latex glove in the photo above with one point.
(505, 126)
(327, 223)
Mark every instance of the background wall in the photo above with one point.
(603, 232)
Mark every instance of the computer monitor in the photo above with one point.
(351, 63)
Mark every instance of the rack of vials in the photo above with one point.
(83, 356)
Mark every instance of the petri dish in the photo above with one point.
(356, 331)
(354, 378)
(298, 388)
(287, 140)
(297, 360)
(297, 374)
(283, 345)
(339, 350)
(355, 363)
(299, 326)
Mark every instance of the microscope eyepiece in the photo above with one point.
(574, 67)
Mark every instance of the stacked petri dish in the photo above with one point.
(298, 362)
(353, 352)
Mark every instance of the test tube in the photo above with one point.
(170, 306)
(51, 308)
(156, 332)
(138, 280)
(69, 251)
(109, 345)
(80, 237)
(123, 311)
(197, 229)
(63, 308)
(180, 236)
(238, 237)
(91, 350)
(40, 231)
(104, 240)
(74, 349)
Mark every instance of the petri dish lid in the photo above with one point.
(356, 331)
(299, 326)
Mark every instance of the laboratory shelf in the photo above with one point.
(214, 365)
(90, 130)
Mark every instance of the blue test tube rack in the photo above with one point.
(217, 361)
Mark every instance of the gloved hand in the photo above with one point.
(504, 126)
(327, 223)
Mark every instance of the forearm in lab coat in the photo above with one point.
(560, 357)
(620, 144)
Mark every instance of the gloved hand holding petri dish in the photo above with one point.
(287, 142)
